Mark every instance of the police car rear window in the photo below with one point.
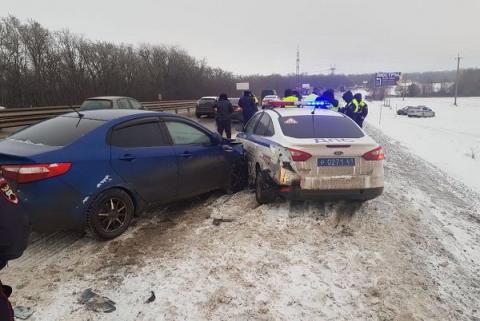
(316, 126)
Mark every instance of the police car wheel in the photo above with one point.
(264, 188)
(110, 214)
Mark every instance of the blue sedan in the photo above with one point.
(98, 169)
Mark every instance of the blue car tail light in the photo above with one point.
(33, 172)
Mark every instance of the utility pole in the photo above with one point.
(298, 66)
(458, 76)
(332, 69)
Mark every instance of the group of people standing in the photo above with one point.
(224, 110)
(355, 107)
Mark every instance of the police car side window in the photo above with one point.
(265, 126)
(270, 131)
(252, 123)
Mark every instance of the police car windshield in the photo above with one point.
(318, 126)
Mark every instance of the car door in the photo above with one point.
(261, 134)
(202, 164)
(248, 144)
(142, 155)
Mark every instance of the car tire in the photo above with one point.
(110, 214)
(238, 177)
(198, 115)
(264, 188)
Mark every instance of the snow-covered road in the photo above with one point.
(411, 254)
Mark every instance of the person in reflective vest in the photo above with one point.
(358, 109)
(290, 98)
(312, 97)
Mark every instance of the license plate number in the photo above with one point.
(343, 162)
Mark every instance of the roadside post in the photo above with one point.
(380, 119)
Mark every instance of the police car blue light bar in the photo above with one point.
(323, 104)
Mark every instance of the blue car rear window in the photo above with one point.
(59, 131)
(316, 126)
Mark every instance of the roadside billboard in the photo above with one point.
(243, 86)
(383, 79)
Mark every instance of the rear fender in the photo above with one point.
(138, 203)
(281, 167)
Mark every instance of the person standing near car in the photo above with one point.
(14, 235)
(347, 97)
(358, 110)
(247, 103)
(223, 115)
(6, 311)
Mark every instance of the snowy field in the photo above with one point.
(450, 141)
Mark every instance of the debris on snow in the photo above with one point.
(218, 221)
(96, 303)
(151, 298)
(22, 313)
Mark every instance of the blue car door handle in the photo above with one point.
(227, 148)
(186, 155)
(127, 157)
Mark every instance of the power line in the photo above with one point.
(456, 81)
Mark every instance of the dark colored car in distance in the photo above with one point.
(98, 169)
(237, 111)
(110, 102)
(205, 106)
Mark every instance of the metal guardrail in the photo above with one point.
(14, 117)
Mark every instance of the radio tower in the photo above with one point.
(298, 66)
(332, 69)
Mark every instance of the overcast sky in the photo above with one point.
(261, 36)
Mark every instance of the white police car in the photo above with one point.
(302, 154)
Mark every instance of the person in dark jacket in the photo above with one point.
(223, 115)
(6, 311)
(347, 97)
(328, 97)
(357, 109)
(247, 103)
(14, 235)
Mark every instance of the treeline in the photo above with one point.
(469, 82)
(39, 67)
